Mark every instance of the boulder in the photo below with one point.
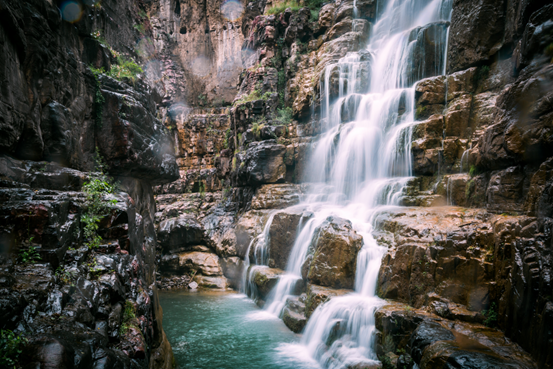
(201, 262)
(293, 314)
(332, 255)
(180, 234)
(264, 279)
(317, 295)
(427, 333)
(282, 235)
(211, 282)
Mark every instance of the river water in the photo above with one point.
(226, 330)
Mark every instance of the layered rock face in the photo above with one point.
(241, 96)
(205, 42)
(80, 284)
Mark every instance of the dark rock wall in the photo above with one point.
(89, 307)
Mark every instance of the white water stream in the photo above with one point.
(361, 162)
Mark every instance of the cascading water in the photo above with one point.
(362, 161)
(364, 157)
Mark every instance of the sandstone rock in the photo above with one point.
(472, 38)
(277, 196)
(426, 334)
(247, 228)
(201, 262)
(340, 28)
(265, 279)
(178, 234)
(282, 235)
(293, 314)
(427, 59)
(262, 163)
(232, 270)
(326, 16)
(211, 282)
(504, 193)
(455, 189)
(457, 117)
(333, 254)
(317, 295)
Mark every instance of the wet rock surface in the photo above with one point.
(455, 263)
(332, 256)
(482, 140)
(433, 342)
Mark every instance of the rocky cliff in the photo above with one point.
(219, 123)
(78, 247)
(482, 145)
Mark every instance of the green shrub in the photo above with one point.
(125, 69)
(30, 255)
(284, 116)
(314, 5)
(279, 8)
(11, 346)
(254, 95)
(491, 316)
(96, 189)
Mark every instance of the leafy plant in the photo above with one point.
(491, 316)
(11, 346)
(203, 99)
(30, 255)
(125, 69)
(96, 189)
(420, 111)
(284, 116)
(140, 28)
(279, 8)
(254, 95)
(128, 317)
(473, 171)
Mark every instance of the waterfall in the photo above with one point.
(364, 158)
(360, 164)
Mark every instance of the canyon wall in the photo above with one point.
(79, 283)
(213, 138)
(482, 145)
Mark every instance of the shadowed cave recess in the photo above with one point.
(342, 184)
